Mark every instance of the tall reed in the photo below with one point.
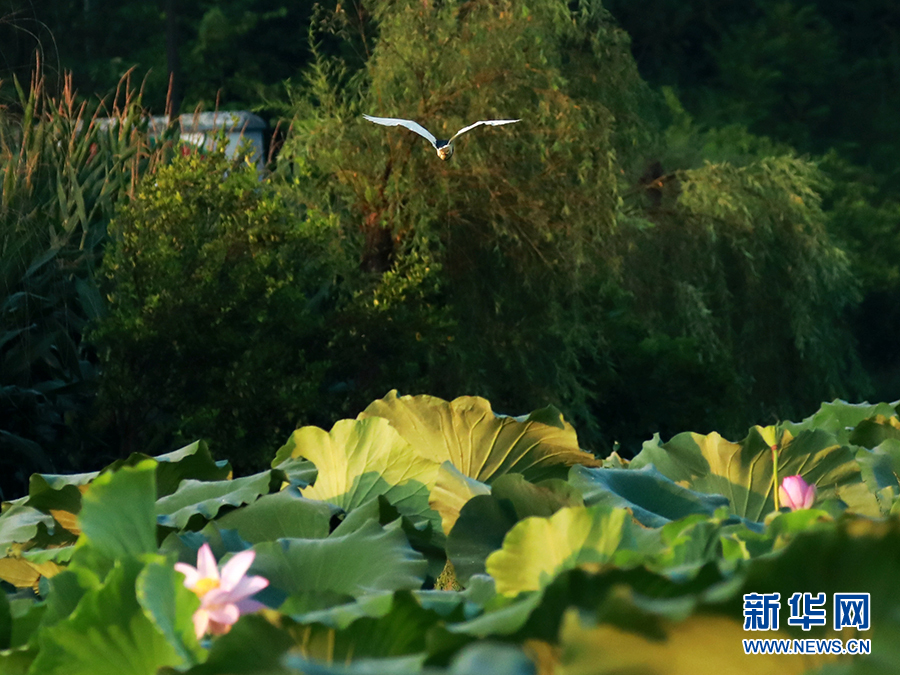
(63, 170)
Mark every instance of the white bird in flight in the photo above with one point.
(444, 148)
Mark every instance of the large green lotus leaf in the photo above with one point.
(537, 549)
(739, 542)
(485, 519)
(881, 472)
(541, 499)
(495, 658)
(17, 661)
(185, 545)
(360, 459)
(478, 658)
(60, 555)
(206, 498)
(375, 510)
(117, 516)
(419, 533)
(742, 472)
(108, 633)
(285, 514)
(400, 631)
(66, 498)
(19, 524)
(65, 592)
(61, 495)
(57, 481)
(480, 443)
(503, 619)
(687, 545)
(471, 600)
(699, 645)
(368, 560)
(192, 461)
(27, 619)
(653, 499)
(874, 431)
(372, 606)
(478, 532)
(170, 606)
(300, 472)
(253, 646)
(839, 418)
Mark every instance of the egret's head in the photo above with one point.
(445, 151)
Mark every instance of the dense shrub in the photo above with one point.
(218, 288)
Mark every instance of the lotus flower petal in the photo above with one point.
(796, 493)
(223, 598)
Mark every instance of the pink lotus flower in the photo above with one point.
(796, 493)
(223, 599)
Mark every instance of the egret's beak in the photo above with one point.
(445, 152)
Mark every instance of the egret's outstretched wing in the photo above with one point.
(492, 123)
(409, 124)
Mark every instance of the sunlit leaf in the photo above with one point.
(536, 549)
(360, 459)
(743, 472)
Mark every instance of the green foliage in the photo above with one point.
(513, 228)
(218, 287)
(815, 76)
(557, 267)
(649, 576)
(740, 285)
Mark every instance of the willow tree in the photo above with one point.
(509, 235)
(517, 269)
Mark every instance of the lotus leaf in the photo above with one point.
(537, 549)
(117, 516)
(653, 499)
(743, 472)
(206, 498)
(480, 443)
(360, 459)
(108, 633)
(368, 560)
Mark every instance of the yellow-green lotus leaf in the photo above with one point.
(361, 459)
(450, 493)
(535, 550)
(480, 443)
(743, 472)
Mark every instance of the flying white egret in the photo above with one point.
(444, 148)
